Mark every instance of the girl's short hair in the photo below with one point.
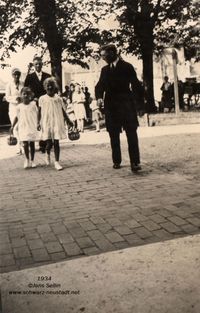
(28, 90)
(52, 80)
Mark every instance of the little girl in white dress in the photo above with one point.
(51, 120)
(78, 99)
(27, 114)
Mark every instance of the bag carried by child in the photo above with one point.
(73, 134)
(11, 140)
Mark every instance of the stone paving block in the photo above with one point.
(35, 244)
(72, 249)
(85, 242)
(70, 224)
(132, 223)
(113, 221)
(142, 232)
(139, 217)
(48, 237)
(65, 238)
(121, 245)
(7, 269)
(58, 256)
(170, 227)
(88, 225)
(31, 235)
(18, 242)
(16, 233)
(150, 225)
(123, 230)
(24, 261)
(162, 234)
(104, 244)
(7, 260)
(91, 251)
(164, 213)
(21, 252)
(184, 213)
(43, 229)
(5, 248)
(77, 232)
(190, 229)
(97, 220)
(134, 239)
(177, 220)
(104, 228)
(59, 229)
(40, 255)
(53, 247)
(114, 237)
(157, 218)
(194, 221)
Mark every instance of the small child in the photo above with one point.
(78, 100)
(27, 125)
(51, 120)
(96, 114)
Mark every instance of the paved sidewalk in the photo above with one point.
(156, 278)
(89, 208)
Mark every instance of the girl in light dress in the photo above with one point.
(96, 114)
(13, 89)
(78, 99)
(27, 114)
(51, 120)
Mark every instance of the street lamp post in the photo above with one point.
(176, 96)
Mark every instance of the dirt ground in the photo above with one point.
(179, 153)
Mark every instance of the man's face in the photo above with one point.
(108, 56)
(37, 65)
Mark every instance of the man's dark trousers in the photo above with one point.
(133, 147)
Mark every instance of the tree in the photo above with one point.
(148, 26)
(63, 27)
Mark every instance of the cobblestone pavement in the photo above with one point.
(88, 208)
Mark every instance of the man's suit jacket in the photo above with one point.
(122, 93)
(35, 84)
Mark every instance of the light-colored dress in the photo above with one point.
(27, 121)
(78, 100)
(52, 119)
(12, 93)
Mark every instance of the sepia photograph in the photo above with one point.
(100, 156)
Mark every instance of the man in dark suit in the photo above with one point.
(35, 81)
(122, 94)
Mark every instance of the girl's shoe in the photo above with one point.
(32, 164)
(58, 167)
(48, 160)
(26, 164)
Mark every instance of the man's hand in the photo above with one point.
(141, 113)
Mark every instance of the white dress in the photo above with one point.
(52, 119)
(78, 100)
(27, 121)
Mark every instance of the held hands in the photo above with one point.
(100, 102)
(141, 113)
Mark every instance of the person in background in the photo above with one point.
(96, 114)
(122, 94)
(35, 81)
(166, 102)
(13, 89)
(78, 99)
(27, 115)
(88, 100)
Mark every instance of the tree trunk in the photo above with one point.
(147, 58)
(56, 64)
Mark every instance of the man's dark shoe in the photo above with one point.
(116, 166)
(135, 168)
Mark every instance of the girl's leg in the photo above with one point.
(57, 155)
(49, 144)
(82, 125)
(26, 152)
(56, 150)
(97, 126)
(32, 150)
(78, 125)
